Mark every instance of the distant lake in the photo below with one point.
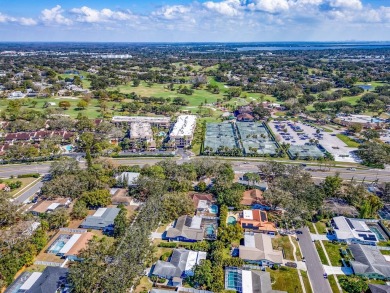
(366, 87)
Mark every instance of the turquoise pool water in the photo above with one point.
(377, 233)
(231, 220)
(210, 230)
(56, 247)
(213, 209)
(69, 148)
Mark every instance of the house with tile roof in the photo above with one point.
(256, 221)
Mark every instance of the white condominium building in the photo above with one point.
(183, 131)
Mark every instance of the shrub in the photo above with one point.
(167, 244)
(29, 175)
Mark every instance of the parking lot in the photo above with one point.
(297, 133)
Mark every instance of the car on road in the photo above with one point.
(325, 275)
(351, 169)
(291, 264)
(299, 232)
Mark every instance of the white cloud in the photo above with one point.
(90, 15)
(227, 7)
(54, 16)
(346, 4)
(27, 21)
(270, 6)
(172, 12)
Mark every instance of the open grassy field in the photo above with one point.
(285, 279)
(84, 74)
(348, 141)
(333, 285)
(25, 183)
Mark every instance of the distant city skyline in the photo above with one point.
(195, 21)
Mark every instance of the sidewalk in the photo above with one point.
(295, 259)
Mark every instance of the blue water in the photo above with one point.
(213, 209)
(231, 220)
(57, 247)
(69, 148)
(366, 87)
(210, 230)
(377, 233)
(376, 120)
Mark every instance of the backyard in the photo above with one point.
(282, 242)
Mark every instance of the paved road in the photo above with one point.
(313, 263)
(239, 165)
(28, 193)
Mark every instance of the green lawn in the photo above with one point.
(321, 227)
(25, 182)
(310, 226)
(333, 285)
(321, 253)
(285, 279)
(282, 242)
(385, 252)
(347, 140)
(333, 251)
(306, 282)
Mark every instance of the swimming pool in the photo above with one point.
(377, 233)
(59, 243)
(231, 220)
(69, 148)
(213, 209)
(210, 230)
(366, 87)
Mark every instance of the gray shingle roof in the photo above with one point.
(103, 221)
(369, 260)
(376, 288)
(183, 228)
(258, 247)
(51, 279)
(181, 261)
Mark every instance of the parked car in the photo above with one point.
(291, 264)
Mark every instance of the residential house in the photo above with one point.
(48, 206)
(377, 288)
(102, 219)
(369, 262)
(187, 229)
(51, 280)
(256, 221)
(245, 281)
(257, 249)
(254, 198)
(180, 265)
(5, 187)
(120, 196)
(353, 231)
(75, 244)
(127, 178)
(204, 204)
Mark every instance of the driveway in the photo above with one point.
(313, 263)
(330, 270)
(322, 237)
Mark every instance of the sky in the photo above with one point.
(194, 21)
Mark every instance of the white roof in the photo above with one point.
(53, 206)
(247, 214)
(249, 240)
(158, 119)
(184, 126)
(68, 245)
(196, 221)
(99, 212)
(352, 229)
(246, 281)
(191, 260)
(202, 204)
(131, 177)
(30, 281)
